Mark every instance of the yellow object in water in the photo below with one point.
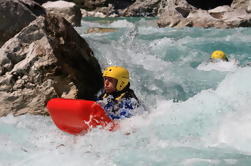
(119, 73)
(218, 54)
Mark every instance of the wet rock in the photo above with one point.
(100, 30)
(46, 59)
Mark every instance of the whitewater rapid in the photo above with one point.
(198, 112)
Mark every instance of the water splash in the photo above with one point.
(206, 124)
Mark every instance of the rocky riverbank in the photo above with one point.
(174, 13)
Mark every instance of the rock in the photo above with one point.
(100, 30)
(240, 4)
(107, 11)
(93, 4)
(170, 18)
(69, 10)
(249, 7)
(220, 17)
(143, 8)
(237, 18)
(172, 13)
(218, 12)
(221, 9)
(86, 13)
(100, 12)
(15, 15)
(166, 5)
(46, 59)
(201, 18)
(36, 8)
(183, 11)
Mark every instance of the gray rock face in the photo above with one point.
(93, 4)
(69, 10)
(220, 17)
(36, 8)
(240, 4)
(122, 7)
(15, 15)
(46, 59)
(170, 5)
(143, 8)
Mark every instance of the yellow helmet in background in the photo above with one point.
(218, 54)
(119, 73)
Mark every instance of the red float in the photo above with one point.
(76, 116)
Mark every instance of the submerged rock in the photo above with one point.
(100, 30)
(46, 59)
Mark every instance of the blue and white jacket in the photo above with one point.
(120, 104)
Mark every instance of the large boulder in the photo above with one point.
(36, 8)
(173, 13)
(169, 6)
(240, 4)
(69, 10)
(143, 8)
(170, 18)
(201, 18)
(93, 4)
(46, 59)
(15, 15)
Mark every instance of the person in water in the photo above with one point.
(218, 55)
(118, 100)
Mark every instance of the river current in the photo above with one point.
(197, 113)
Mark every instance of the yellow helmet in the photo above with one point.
(219, 55)
(119, 73)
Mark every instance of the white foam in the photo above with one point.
(122, 24)
(9, 119)
(220, 66)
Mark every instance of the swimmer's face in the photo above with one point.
(110, 84)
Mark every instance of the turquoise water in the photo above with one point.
(199, 112)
